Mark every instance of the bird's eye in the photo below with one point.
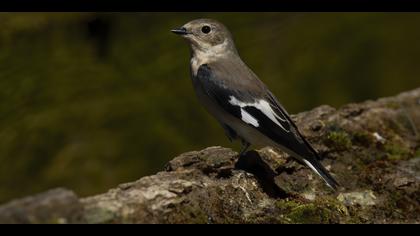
(206, 29)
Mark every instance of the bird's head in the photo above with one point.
(207, 36)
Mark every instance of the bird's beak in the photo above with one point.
(180, 31)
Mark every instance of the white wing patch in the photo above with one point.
(248, 118)
(261, 105)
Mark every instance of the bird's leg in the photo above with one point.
(245, 146)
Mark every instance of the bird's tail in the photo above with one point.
(316, 166)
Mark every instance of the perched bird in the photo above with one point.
(234, 95)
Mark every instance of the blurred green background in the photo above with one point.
(91, 100)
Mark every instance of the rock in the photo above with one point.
(371, 148)
(54, 206)
(363, 198)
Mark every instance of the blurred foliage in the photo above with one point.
(90, 100)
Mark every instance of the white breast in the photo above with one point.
(195, 64)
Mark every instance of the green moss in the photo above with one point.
(396, 151)
(309, 213)
(286, 205)
(339, 140)
(58, 220)
(417, 153)
(324, 211)
(99, 215)
(191, 213)
(362, 138)
(393, 105)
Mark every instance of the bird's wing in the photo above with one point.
(279, 109)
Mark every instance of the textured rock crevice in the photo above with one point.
(371, 148)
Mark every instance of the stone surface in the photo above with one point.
(54, 206)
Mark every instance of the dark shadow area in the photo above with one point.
(99, 31)
(253, 163)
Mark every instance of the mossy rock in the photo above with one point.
(396, 151)
(339, 140)
(362, 138)
(318, 212)
(417, 153)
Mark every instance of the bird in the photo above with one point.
(234, 95)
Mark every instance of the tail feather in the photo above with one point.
(317, 167)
